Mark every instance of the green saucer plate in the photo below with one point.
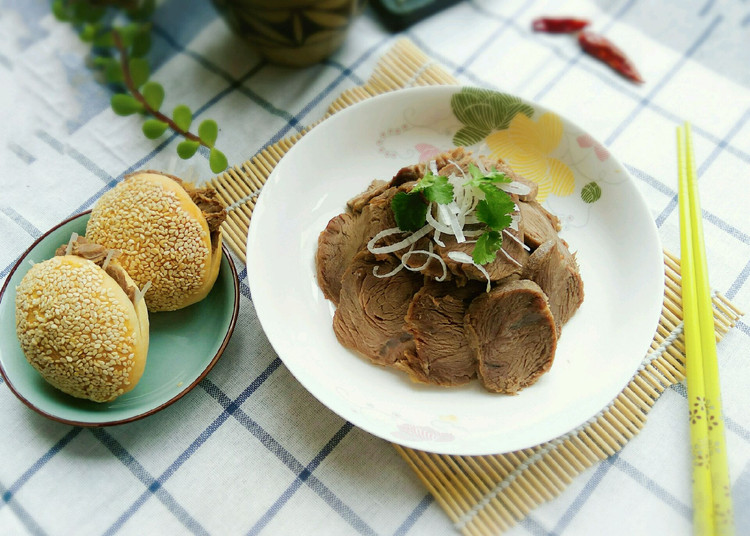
(184, 345)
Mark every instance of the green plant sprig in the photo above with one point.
(130, 70)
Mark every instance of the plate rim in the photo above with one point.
(656, 250)
(183, 392)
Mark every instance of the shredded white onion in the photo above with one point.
(514, 237)
(140, 293)
(439, 227)
(409, 240)
(511, 258)
(489, 283)
(396, 270)
(430, 255)
(458, 167)
(436, 239)
(73, 238)
(433, 167)
(447, 213)
(514, 187)
(460, 256)
(481, 166)
(110, 254)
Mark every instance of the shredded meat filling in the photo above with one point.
(86, 249)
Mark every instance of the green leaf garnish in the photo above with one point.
(217, 161)
(153, 92)
(153, 128)
(410, 211)
(123, 104)
(187, 148)
(208, 130)
(496, 208)
(435, 188)
(478, 178)
(488, 244)
(182, 116)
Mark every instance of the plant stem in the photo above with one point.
(137, 95)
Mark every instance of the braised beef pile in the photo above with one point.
(452, 331)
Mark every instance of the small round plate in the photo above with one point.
(605, 220)
(183, 345)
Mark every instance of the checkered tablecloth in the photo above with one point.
(249, 451)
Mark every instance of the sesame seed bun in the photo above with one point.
(164, 236)
(79, 328)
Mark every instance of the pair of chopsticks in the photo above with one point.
(712, 500)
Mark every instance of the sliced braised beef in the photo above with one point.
(377, 187)
(512, 331)
(447, 333)
(555, 270)
(346, 235)
(371, 311)
(435, 319)
(538, 224)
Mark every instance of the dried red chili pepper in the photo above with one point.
(558, 25)
(605, 50)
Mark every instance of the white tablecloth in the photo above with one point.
(249, 450)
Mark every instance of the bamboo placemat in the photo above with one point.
(489, 494)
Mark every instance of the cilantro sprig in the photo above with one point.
(410, 209)
(494, 211)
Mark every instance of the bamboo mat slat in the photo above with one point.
(485, 495)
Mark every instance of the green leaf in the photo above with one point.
(153, 128)
(104, 40)
(143, 11)
(60, 11)
(139, 71)
(127, 33)
(88, 32)
(208, 130)
(113, 71)
(153, 92)
(435, 188)
(183, 117)
(84, 12)
(478, 179)
(487, 247)
(217, 160)
(591, 193)
(141, 44)
(495, 209)
(410, 211)
(187, 148)
(124, 104)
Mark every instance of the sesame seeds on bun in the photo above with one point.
(80, 330)
(168, 234)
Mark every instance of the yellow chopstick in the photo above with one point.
(712, 502)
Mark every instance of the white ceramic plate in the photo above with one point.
(604, 219)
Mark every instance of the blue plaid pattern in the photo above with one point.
(250, 451)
